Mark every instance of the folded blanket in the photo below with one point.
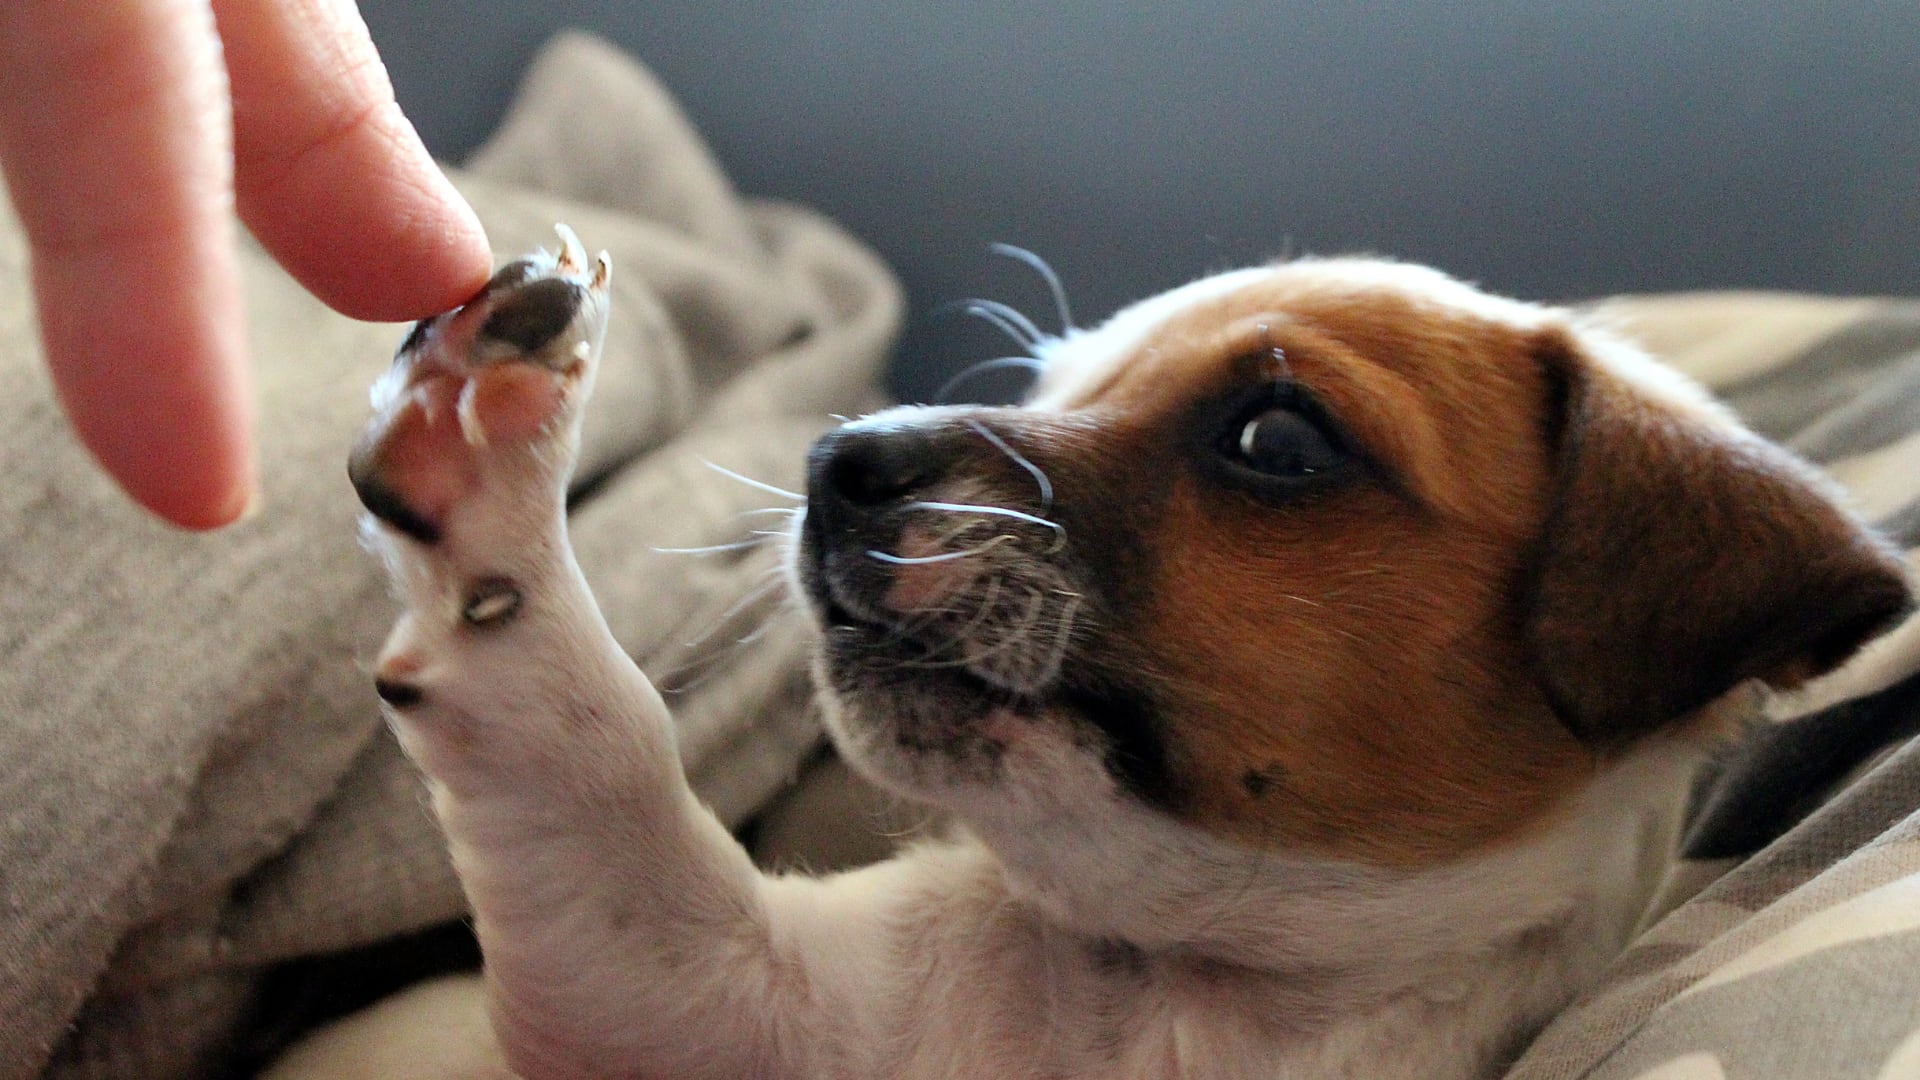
(194, 779)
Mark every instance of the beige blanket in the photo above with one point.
(194, 779)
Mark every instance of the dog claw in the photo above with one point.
(573, 256)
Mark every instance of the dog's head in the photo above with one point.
(1341, 558)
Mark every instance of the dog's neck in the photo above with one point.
(1569, 891)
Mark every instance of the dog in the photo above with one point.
(1313, 662)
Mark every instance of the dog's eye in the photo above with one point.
(1284, 442)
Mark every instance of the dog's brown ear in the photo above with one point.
(1680, 559)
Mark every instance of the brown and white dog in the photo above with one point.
(1313, 662)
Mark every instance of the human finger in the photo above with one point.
(330, 176)
(113, 138)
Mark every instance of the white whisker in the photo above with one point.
(752, 483)
(714, 549)
(985, 608)
(997, 511)
(942, 395)
(1046, 273)
(760, 631)
(1015, 636)
(949, 556)
(753, 596)
(1062, 637)
(694, 667)
(1046, 485)
(696, 670)
(1011, 322)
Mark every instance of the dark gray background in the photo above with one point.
(1550, 150)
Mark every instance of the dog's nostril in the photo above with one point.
(870, 468)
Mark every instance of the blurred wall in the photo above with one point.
(1548, 150)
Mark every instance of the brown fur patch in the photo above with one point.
(1679, 561)
(1367, 654)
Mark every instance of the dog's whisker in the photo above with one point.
(699, 669)
(772, 620)
(1039, 477)
(1351, 636)
(945, 394)
(1009, 321)
(985, 608)
(767, 583)
(714, 549)
(922, 617)
(1062, 637)
(976, 508)
(752, 483)
(947, 556)
(1059, 531)
(1011, 634)
(982, 609)
(714, 667)
(1047, 274)
(960, 528)
(1015, 636)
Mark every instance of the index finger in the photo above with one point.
(329, 174)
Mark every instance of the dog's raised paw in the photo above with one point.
(502, 374)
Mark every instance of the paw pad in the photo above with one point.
(507, 369)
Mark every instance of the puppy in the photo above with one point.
(1313, 663)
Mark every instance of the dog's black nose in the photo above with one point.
(866, 467)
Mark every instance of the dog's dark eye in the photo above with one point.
(1283, 441)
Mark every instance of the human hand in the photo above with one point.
(129, 131)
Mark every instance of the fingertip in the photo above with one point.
(400, 243)
(203, 508)
(156, 385)
(454, 256)
(332, 177)
(186, 484)
(186, 457)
